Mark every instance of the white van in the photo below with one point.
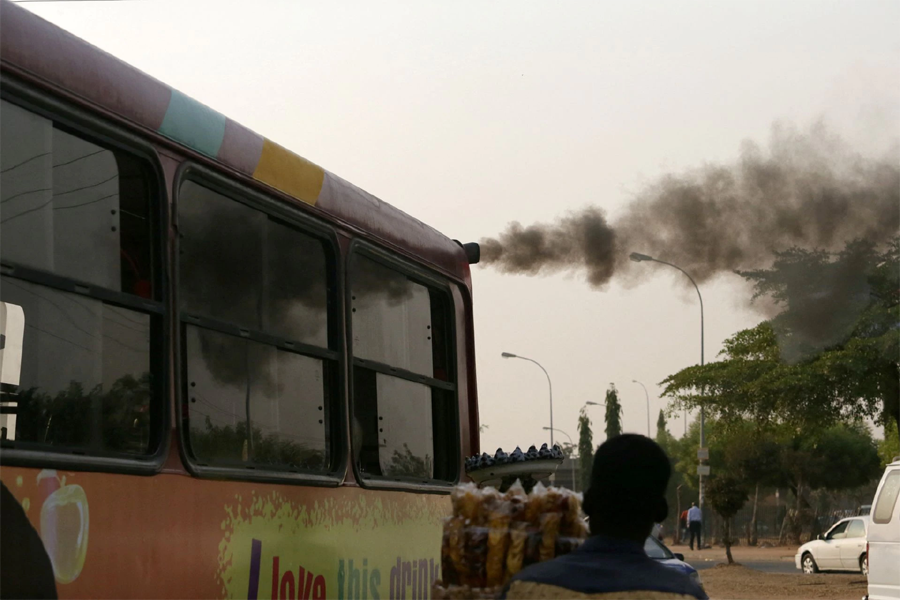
(883, 537)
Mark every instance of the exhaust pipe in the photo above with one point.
(472, 250)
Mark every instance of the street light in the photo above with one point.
(590, 403)
(571, 460)
(637, 257)
(648, 403)
(511, 355)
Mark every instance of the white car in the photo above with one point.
(843, 548)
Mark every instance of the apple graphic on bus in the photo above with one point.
(64, 527)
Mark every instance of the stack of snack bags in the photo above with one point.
(492, 536)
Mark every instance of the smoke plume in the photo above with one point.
(807, 190)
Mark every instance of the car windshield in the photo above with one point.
(838, 531)
(655, 549)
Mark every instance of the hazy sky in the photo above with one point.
(469, 115)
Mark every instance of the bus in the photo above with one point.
(227, 372)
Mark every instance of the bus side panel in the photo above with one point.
(173, 536)
(465, 357)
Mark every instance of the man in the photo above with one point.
(695, 522)
(683, 526)
(626, 497)
(27, 572)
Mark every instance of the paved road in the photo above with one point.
(784, 566)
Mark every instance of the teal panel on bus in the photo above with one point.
(193, 124)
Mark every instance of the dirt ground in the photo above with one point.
(740, 583)
(746, 583)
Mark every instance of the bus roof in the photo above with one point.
(39, 51)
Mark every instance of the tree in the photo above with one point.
(567, 448)
(585, 447)
(117, 419)
(407, 464)
(670, 446)
(213, 443)
(727, 495)
(889, 447)
(665, 439)
(613, 413)
(754, 454)
(788, 371)
(661, 432)
(753, 383)
(839, 457)
(841, 313)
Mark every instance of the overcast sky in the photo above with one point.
(468, 115)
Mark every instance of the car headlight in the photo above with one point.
(696, 577)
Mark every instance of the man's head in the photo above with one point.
(693, 504)
(627, 494)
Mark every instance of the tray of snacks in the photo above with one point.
(493, 535)
(502, 469)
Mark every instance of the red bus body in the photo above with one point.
(163, 530)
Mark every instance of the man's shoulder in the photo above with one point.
(27, 571)
(608, 576)
(530, 590)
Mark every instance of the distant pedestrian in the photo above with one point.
(682, 526)
(695, 519)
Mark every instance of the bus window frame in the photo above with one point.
(95, 128)
(293, 215)
(422, 275)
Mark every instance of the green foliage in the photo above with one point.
(726, 494)
(407, 464)
(117, 420)
(568, 449)
(665, 439)
(840, 457)
(613, 413)
(230, 444)
(677, 498)
(684, 453)
(585, 448)
(843, 456)
(830, 356)
(889, 447)
(661, 431)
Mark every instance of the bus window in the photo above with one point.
(65, 199)
(75, 233)
(254, 297)
(403, 390)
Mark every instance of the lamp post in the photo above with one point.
(549, 384)
(647, 394)
(637, 257)
(571, 460)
